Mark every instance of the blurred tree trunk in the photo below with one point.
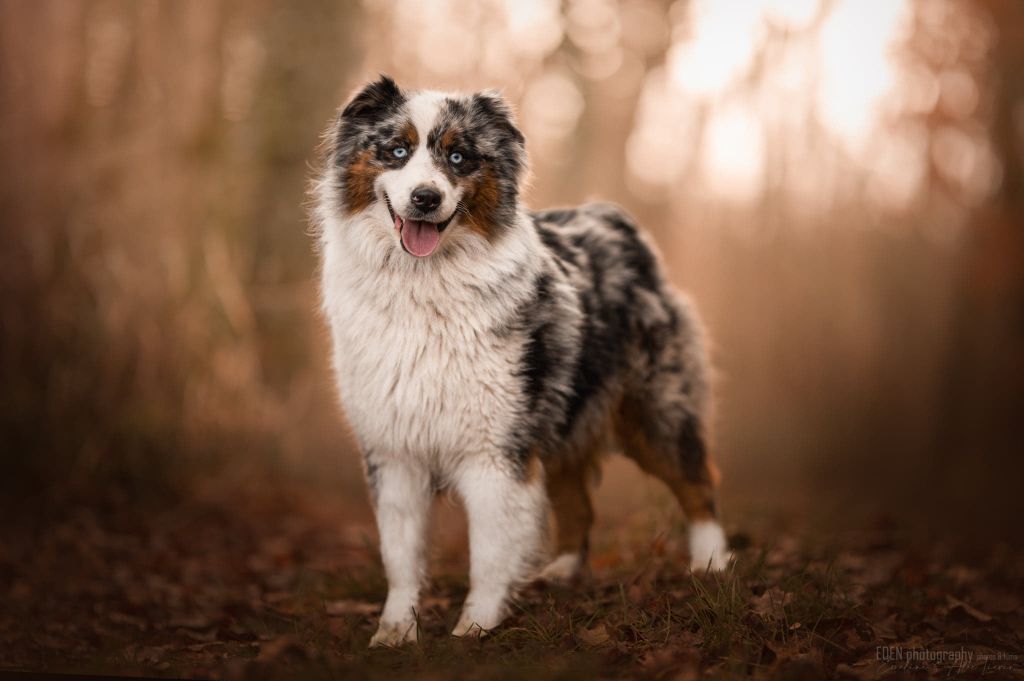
(981, 431)
(311, 50)
(154, 164)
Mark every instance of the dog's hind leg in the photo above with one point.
(671, 446)
(569, 495)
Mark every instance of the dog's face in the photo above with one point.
(424, 165)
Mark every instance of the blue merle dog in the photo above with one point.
(496, 352)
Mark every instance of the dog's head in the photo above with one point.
(424, 165)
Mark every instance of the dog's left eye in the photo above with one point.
(399, 152)
(455, 157)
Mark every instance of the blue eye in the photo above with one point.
(455, 157)
(400, 152)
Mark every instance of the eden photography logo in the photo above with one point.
(949, 661)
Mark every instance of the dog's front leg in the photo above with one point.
(402, 498)
(507, 512)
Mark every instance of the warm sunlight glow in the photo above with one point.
(724, 37)
(732, 158)
(897, 171)
(857, 67)
(659, 149)
(552, 104)
(534, 26)
(794, 15)
(814, 102)
(502, 40)
(744, 77)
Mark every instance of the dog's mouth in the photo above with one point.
(419, 237)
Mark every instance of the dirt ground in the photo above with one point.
(271, 581)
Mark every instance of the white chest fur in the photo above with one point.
(425, 358)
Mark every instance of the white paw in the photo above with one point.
(479, 618)
(394, 634)
(563, 569)
(708, 547)
(468, 628)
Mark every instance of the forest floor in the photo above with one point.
(265, 585)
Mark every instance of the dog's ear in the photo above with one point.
(374, 101)
(490, 107)
(489, 111)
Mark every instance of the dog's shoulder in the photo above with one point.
(606, 212)
(601, 243)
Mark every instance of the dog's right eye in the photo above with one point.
(399, 152)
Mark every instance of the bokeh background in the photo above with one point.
(837, 183)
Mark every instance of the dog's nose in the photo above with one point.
(426, 198)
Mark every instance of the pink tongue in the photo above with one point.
(420, 238)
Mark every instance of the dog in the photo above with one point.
(495, 352)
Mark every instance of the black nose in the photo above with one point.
(426, 198)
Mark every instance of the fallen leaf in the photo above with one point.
(771, 603)
(998, 601)
(957, 604)
(594, 636)
(130, 620)
(886, 629)
(201, 636)
(276, 597)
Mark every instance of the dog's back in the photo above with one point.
(635, 338)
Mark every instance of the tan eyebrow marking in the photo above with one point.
(410, 134)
